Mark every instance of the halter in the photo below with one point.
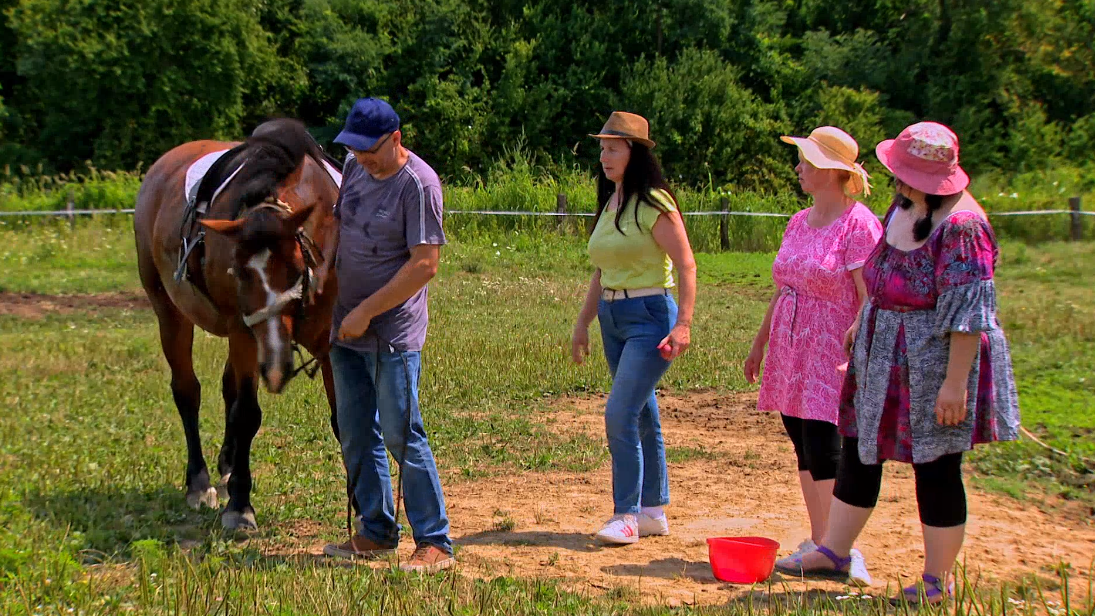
(300, 290)
(279, 304)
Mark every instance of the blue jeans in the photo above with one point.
(631, 330)
(373, 403)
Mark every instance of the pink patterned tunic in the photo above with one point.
(917, 298)
(817, 304)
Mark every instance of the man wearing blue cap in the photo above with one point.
(386, 251)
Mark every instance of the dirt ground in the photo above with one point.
(741, 482)
(37, 305)
(745, 485)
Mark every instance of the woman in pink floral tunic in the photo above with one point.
(930, 375)
(819, 290)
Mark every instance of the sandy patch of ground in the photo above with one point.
(539, 525)
(37, 305)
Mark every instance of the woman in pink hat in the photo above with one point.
(930, 373)
(819, 291)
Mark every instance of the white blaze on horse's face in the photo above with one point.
(273, 346)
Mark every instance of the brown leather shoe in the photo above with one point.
(359, 547)
(428, 559)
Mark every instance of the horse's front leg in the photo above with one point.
(229, 385)
(244, 419)
(177, 340)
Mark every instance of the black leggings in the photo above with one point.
(817, 446)
(940, 494)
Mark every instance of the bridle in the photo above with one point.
(301, 289)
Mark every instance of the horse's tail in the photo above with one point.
(275, 151)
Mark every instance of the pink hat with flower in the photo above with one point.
(925, 156)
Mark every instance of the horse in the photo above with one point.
(254, 284)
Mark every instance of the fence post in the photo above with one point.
(70, 207)
(561, 209)
(724, 224)
(1077, 219)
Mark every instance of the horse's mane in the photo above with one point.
(273, 152)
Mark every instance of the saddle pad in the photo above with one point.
(200, 167)
(196, 172)
(335, 174)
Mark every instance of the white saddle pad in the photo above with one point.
(200, 167)
(197, 171)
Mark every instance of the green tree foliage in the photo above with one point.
(709, 126)
(120, 82)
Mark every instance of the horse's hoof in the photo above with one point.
(239, 521)
(222, 487)
(207, 497)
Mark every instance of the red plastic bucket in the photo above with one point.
(742, 560)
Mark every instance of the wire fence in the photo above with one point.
(1075, 228)
(64, 213)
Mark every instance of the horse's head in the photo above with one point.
(271, 278)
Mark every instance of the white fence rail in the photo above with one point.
(1075, 211)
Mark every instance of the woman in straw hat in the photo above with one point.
(819, 291)
(930, 374)
(638, 238)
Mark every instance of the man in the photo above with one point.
(387, 245)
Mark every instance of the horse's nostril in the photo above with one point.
(275, 379)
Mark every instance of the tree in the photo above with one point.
(124, 81)
(707, 125)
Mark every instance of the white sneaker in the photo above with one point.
(620, 529)
(858, 571)
(650, 525)
(803, 548)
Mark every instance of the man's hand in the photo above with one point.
(354, 325)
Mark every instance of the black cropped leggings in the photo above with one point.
(940, 494)
(817, 446)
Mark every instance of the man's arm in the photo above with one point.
(408, 280)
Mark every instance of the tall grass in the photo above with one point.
(93, 190)
(516, 183)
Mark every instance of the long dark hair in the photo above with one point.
(642, 175)
(922, 228)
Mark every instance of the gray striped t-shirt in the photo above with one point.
(379, 222)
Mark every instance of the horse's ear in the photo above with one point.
(228, 228)
(297, 218)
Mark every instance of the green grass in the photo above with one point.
(97, 256)
(677, 455)
(91, 450)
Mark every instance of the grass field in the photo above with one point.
(92, 455)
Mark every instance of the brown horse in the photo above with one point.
(256, 288)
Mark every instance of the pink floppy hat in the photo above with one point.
(925, 156)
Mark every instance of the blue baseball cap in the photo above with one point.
(369, 120)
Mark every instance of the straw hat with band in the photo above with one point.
(925, 157)
(828, 147)
(624, 125)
